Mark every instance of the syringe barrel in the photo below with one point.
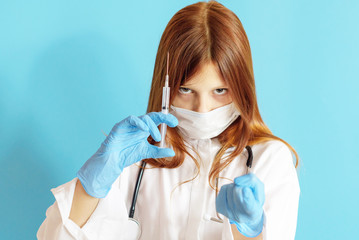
(165, 100)
(163, 135)
(165, 107)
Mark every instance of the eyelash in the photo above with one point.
(182, 88)
(223, 92)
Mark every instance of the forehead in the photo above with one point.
(207, 75)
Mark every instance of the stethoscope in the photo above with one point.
(134, 225)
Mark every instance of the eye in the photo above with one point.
(221, 91)
(184, 90)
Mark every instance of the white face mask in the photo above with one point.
(207, 125)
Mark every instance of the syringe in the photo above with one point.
(165, 106)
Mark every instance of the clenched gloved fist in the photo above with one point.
(242, 203)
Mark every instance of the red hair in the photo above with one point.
(198, 34)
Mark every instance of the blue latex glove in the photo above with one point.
(125, 145)
(242, 203)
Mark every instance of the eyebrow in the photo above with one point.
(219, 87)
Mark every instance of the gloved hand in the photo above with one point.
(242, 203)
(125, 145)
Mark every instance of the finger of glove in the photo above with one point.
(248, 200)
(257, 187)
(221, 200)
(244, 180)
(153, 129)
(258, 192)
(248, 206)
(156, 152)
(159, 118)
(252, 181)
(137, 122)
(232, 202)
(248, 196)
(247, 180)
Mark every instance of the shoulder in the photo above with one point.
(273, 150)
(271, 147)
(272, 158)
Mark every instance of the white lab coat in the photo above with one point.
(186, 214)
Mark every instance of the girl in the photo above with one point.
(200, 186)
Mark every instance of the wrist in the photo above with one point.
(250, 229)
(92, 187)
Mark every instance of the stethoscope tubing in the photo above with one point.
(137, 188)
(142, 169)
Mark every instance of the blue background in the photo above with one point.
(72, 69)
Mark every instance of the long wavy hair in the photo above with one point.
(198, 34)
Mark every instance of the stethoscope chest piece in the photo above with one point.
(133, 231)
